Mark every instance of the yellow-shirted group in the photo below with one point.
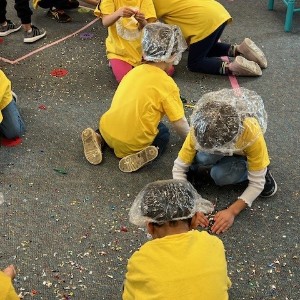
(225, 138)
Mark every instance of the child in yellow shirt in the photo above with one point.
(227, 140)
(179, 263)
(124, 20)
(202, 24)
(11, 123)
(132, 126)
(7, 291)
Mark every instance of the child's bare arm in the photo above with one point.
(125, 12)
(181, 127)
(225, 218)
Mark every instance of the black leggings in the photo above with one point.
(204, 56)
(23, 11)
(59, 4)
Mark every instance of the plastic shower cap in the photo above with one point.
(162, 42)
(228, 120)
(167, 200)
(128, 28)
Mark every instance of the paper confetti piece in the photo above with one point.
(86, 35)
(59, 72)
(1, 198)
(1, 40)
(42, 106)
(61, 171)
(83, 10)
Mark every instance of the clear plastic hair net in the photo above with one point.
(162, 42)
(228, 120)
(167, 200)
(128, 28)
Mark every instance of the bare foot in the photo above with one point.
(10, 271)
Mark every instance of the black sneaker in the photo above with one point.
(9, 28)
(59, 15)
(35, 35)
(270, 186)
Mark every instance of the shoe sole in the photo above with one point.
(7, 32)
(135, 161)
(259, 56)
(91, 146)
(34, 38)
(248, 68)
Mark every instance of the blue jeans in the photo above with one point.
(205, 55)
(12, 125)
(224, 169)
(162, 138)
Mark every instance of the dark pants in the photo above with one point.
(59, 4)
(162, 138)
(23, 11)
(204, 56)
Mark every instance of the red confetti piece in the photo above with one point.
(34, 292)
(42, 106)
(1, 40)
(59, 72)
(124, 229)
(11, 142)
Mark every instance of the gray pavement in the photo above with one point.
(64, 222)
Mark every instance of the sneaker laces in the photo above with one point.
(35, 30)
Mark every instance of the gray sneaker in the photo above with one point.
(9, 28)
(35, 35)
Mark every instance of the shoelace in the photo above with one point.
(35, 30)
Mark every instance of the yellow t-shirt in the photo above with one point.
(189, 266)
(35, 3)
(197, 19)
(256, 152)
(141, 100)
(7, 291)
(5, 92)
(117, 47)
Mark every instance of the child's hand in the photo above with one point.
(223, 221)
(200, 220)
(140, 17)
(10, 271)
(126, 12)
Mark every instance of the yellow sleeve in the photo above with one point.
(188, 150)
(5, 92)
(255, 145)
(147, 7)
(7, 291)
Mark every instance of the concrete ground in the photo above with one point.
(64, 222)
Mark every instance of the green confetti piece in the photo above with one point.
(83, 10)
(61, 171)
